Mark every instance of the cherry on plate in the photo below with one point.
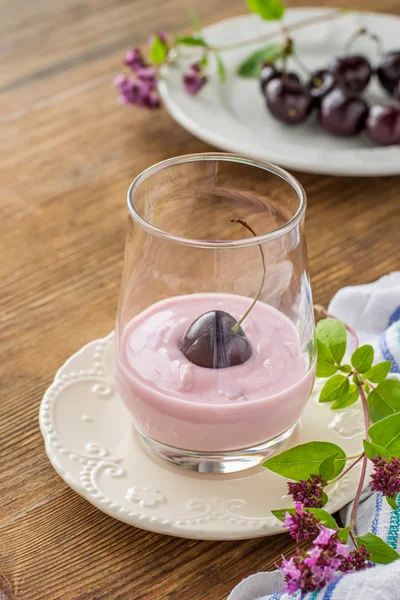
(343, 113)
(288, 100)
(320, 84)
(389, 70)
(269, 72)
(383, 125)
(352, 72)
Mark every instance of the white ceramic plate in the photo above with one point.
(232, 116)
(92, 445)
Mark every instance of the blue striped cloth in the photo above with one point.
(373, 310)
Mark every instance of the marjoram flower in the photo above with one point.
(194, 79)
(302, 525)
(309, 492)
(327, 559)
(386, 476)
(141, 89)
(137, 91)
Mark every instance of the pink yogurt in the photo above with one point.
(186, 406)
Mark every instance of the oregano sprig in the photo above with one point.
(313, 466)
(141, 87)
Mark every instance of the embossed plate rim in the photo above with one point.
(214, 517)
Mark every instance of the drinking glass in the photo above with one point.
(216, 236)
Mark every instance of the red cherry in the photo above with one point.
(342, 113)
(383, 125)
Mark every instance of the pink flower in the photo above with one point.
(134, 59)
(162, 35)
(136, 91)
(342, 549)
(194, 79)
(302, 525)
(386, 476)
(324, 537)
(326, 560)
(309, 492)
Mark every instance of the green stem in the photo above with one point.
(265, 38)
(347, 469)
(365, 459)
(237, 325)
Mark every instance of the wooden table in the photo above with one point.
(69, 154)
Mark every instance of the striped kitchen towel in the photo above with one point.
(373, 310)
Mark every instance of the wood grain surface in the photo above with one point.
(68, 155)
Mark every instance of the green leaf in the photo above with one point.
(384, 400)
(270, 10)
(194, 19)
(325, 361)
(158, 51)
(374, 450)
(343, 534)
(378, 372)
(327, 467)
(190, 40)
(381, 552)
(251, 66)
(304, 460)
(336, 387)
(221, 68)
(392, 501)
(204, 60)
(321, 515)
(332, 333)
(281, 513)
(362, 358)
(386, 433)
(348, 399)
(346, 368)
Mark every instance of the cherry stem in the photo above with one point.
(264, 38)
(353, 464)
(237, 325)
(322, 310)
(372, 36)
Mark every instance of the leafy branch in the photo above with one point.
(141, 87)
(315, 465)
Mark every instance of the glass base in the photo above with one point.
(218, 462)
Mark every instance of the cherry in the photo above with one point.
(269, 72)
(389, 70)
(211, 342)
(383, 125)
(288, 100)
(215, 340)
(352, 72)
(342, 113)
(320, 84)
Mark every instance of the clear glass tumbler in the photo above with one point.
(214, 345)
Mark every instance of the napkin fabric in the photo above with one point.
(373, 311)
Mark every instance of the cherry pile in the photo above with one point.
(334, 93)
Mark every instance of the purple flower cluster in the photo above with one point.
(302, 525)
(309, 492)
(194, 79)
(386, 476)
(327, 559)
(142, 88)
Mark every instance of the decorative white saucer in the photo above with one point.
(94, 448)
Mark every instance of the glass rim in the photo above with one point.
(225, 157)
